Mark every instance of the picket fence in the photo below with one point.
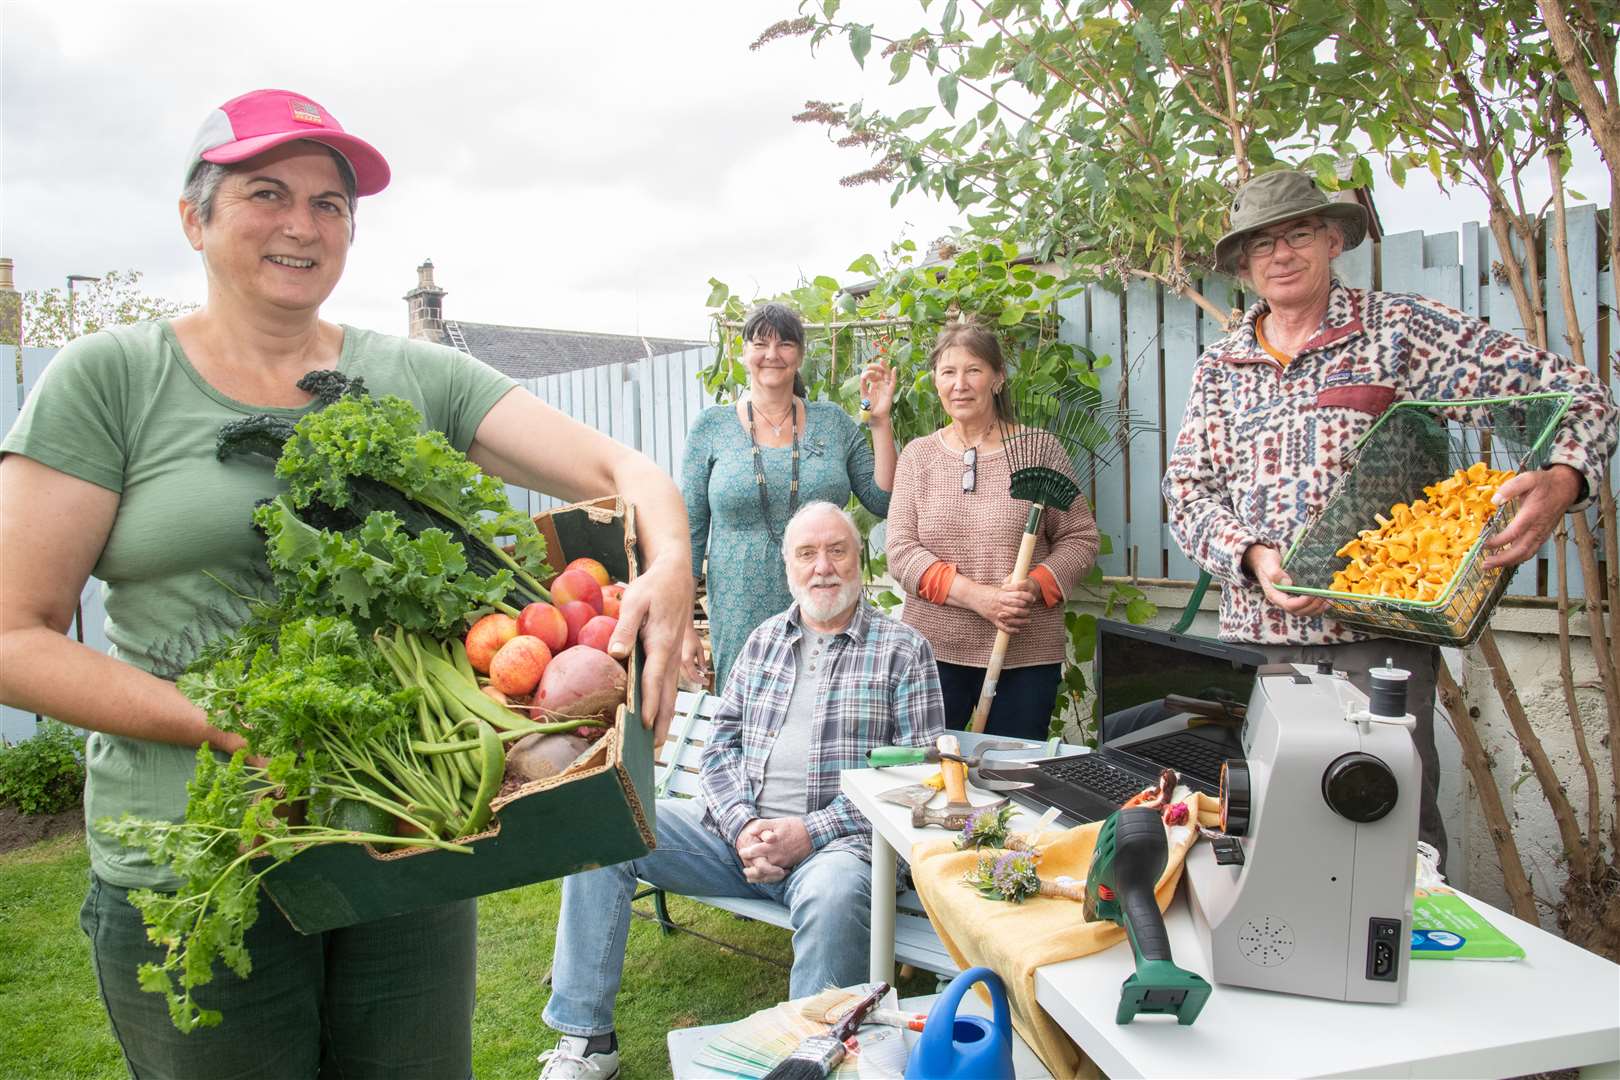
(1154, 338)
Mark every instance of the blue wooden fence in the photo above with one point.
(1154, 338)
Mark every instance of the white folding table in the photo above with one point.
(1557, 1008)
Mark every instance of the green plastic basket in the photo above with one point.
(1412, 445)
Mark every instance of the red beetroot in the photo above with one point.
(581, 682)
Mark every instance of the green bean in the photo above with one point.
(494, 768)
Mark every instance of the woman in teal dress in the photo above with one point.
(805, 451)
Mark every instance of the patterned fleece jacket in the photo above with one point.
(1261, 445)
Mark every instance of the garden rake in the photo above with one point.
(1062, 437)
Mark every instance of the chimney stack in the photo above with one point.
(10, 307)
(425, 305)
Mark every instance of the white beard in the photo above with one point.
(824, 608)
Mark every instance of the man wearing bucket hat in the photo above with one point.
(1277, 404)
(111, 469)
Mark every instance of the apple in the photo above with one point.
(576, 613)
(495, 695)
(598, 631)
(593, 568)
(486, 637)
(576, 585)
(545, 622)
(517, 668)
(612, 597)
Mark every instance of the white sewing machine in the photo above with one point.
(1311, 891)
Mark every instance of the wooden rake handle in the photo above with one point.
(998, 652)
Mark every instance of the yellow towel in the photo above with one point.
(1014, 939)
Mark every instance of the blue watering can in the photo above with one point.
(961, 1047)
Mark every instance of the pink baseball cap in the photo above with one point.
(261, 120)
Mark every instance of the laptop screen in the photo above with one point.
(1170, 700)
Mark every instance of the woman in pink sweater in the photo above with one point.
(954, 533)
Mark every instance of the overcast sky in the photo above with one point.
(580, 166)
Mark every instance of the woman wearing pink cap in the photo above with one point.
(111, 470)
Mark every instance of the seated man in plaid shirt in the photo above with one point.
(814, 689)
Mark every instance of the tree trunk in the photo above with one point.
(1478, 764)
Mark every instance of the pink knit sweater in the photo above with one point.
(931, 518)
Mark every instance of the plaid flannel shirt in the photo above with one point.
(879, 687)
(1262, 445)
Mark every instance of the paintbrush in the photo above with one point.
(829, 1007)
(820, 1054)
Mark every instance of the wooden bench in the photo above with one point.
(675, 775)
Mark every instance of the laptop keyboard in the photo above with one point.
(1087, 771)
(1188, 755)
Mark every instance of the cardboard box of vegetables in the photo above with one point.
(609, 785)
(420, 716)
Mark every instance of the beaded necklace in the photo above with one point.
(759, 474)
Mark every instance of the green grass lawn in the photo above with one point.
(52, 1025)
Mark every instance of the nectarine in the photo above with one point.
(517, 668)
(545, 622)
(598, 632)
(576, 613)
(487, 636)
(572, 585)
(593, 568)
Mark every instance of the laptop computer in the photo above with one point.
(1163, 701)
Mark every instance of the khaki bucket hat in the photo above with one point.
(1277, 196)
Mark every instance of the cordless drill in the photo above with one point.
(1130, 855)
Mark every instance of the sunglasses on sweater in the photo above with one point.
(970, 475)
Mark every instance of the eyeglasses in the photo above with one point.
(970, 477)
(1300, 236)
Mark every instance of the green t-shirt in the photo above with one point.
(125, 410)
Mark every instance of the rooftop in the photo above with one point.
(528, 352)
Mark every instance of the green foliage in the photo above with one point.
(382, 521)
(1104, 135)
(115, 300)
(43, 774)
(377, 574)
(320, 678)
(322, 707)
(382, 439)
(58, 1028)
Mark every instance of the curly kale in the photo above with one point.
(261, 435)
(264, 434)
(378, 574)
(381, 439)
(390, 499)
(329, 385)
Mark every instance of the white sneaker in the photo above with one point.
(568, 1061)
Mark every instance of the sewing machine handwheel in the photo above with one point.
(1360, 787)
(1235, 797)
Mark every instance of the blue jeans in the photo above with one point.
(385, 999)
(828, 896)
(1021, 709)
